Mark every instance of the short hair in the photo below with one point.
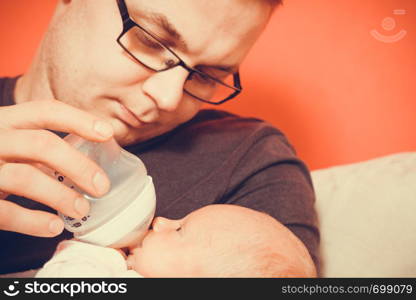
(260, 260)
(261, 253)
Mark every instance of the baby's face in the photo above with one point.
(171, 247)
(185, 247)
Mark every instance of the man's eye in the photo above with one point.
(214, 72)
(170, 63)
(218, 74)
(149, 42)
(179, 229)
(204, 79)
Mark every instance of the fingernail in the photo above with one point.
(130, 262)
(101, 183)
(56, 226)
(81, 206)
(104, 129)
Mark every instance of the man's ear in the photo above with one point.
(61, 5)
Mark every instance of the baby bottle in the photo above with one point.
(122, 216)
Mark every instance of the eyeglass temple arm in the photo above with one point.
(123, 10)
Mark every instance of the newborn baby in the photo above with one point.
(214, 241)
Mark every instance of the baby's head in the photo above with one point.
(221, 241)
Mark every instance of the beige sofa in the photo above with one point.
(367, 217)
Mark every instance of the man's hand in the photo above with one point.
(25, 142)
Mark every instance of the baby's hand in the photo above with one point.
(131, 262)
(131, 259)
(122, 253)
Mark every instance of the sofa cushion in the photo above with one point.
(367, 217)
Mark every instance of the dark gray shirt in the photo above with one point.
(216, 157)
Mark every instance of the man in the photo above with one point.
(140, 71)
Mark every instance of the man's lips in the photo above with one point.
(128, 117)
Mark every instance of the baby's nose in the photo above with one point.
(161, 224)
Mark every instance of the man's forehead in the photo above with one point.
(191, 22)
(216, 13)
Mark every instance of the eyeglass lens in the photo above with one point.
(150, 52)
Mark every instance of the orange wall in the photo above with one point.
(340, 94)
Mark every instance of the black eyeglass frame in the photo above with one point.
(128, 23)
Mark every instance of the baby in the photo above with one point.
(214, 241)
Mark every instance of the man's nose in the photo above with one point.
(166, 87)
(163, 224)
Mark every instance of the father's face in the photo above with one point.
(86, 67)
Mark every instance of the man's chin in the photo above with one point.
(129, 138)
(123, 133)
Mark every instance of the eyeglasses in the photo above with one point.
(207, 84)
